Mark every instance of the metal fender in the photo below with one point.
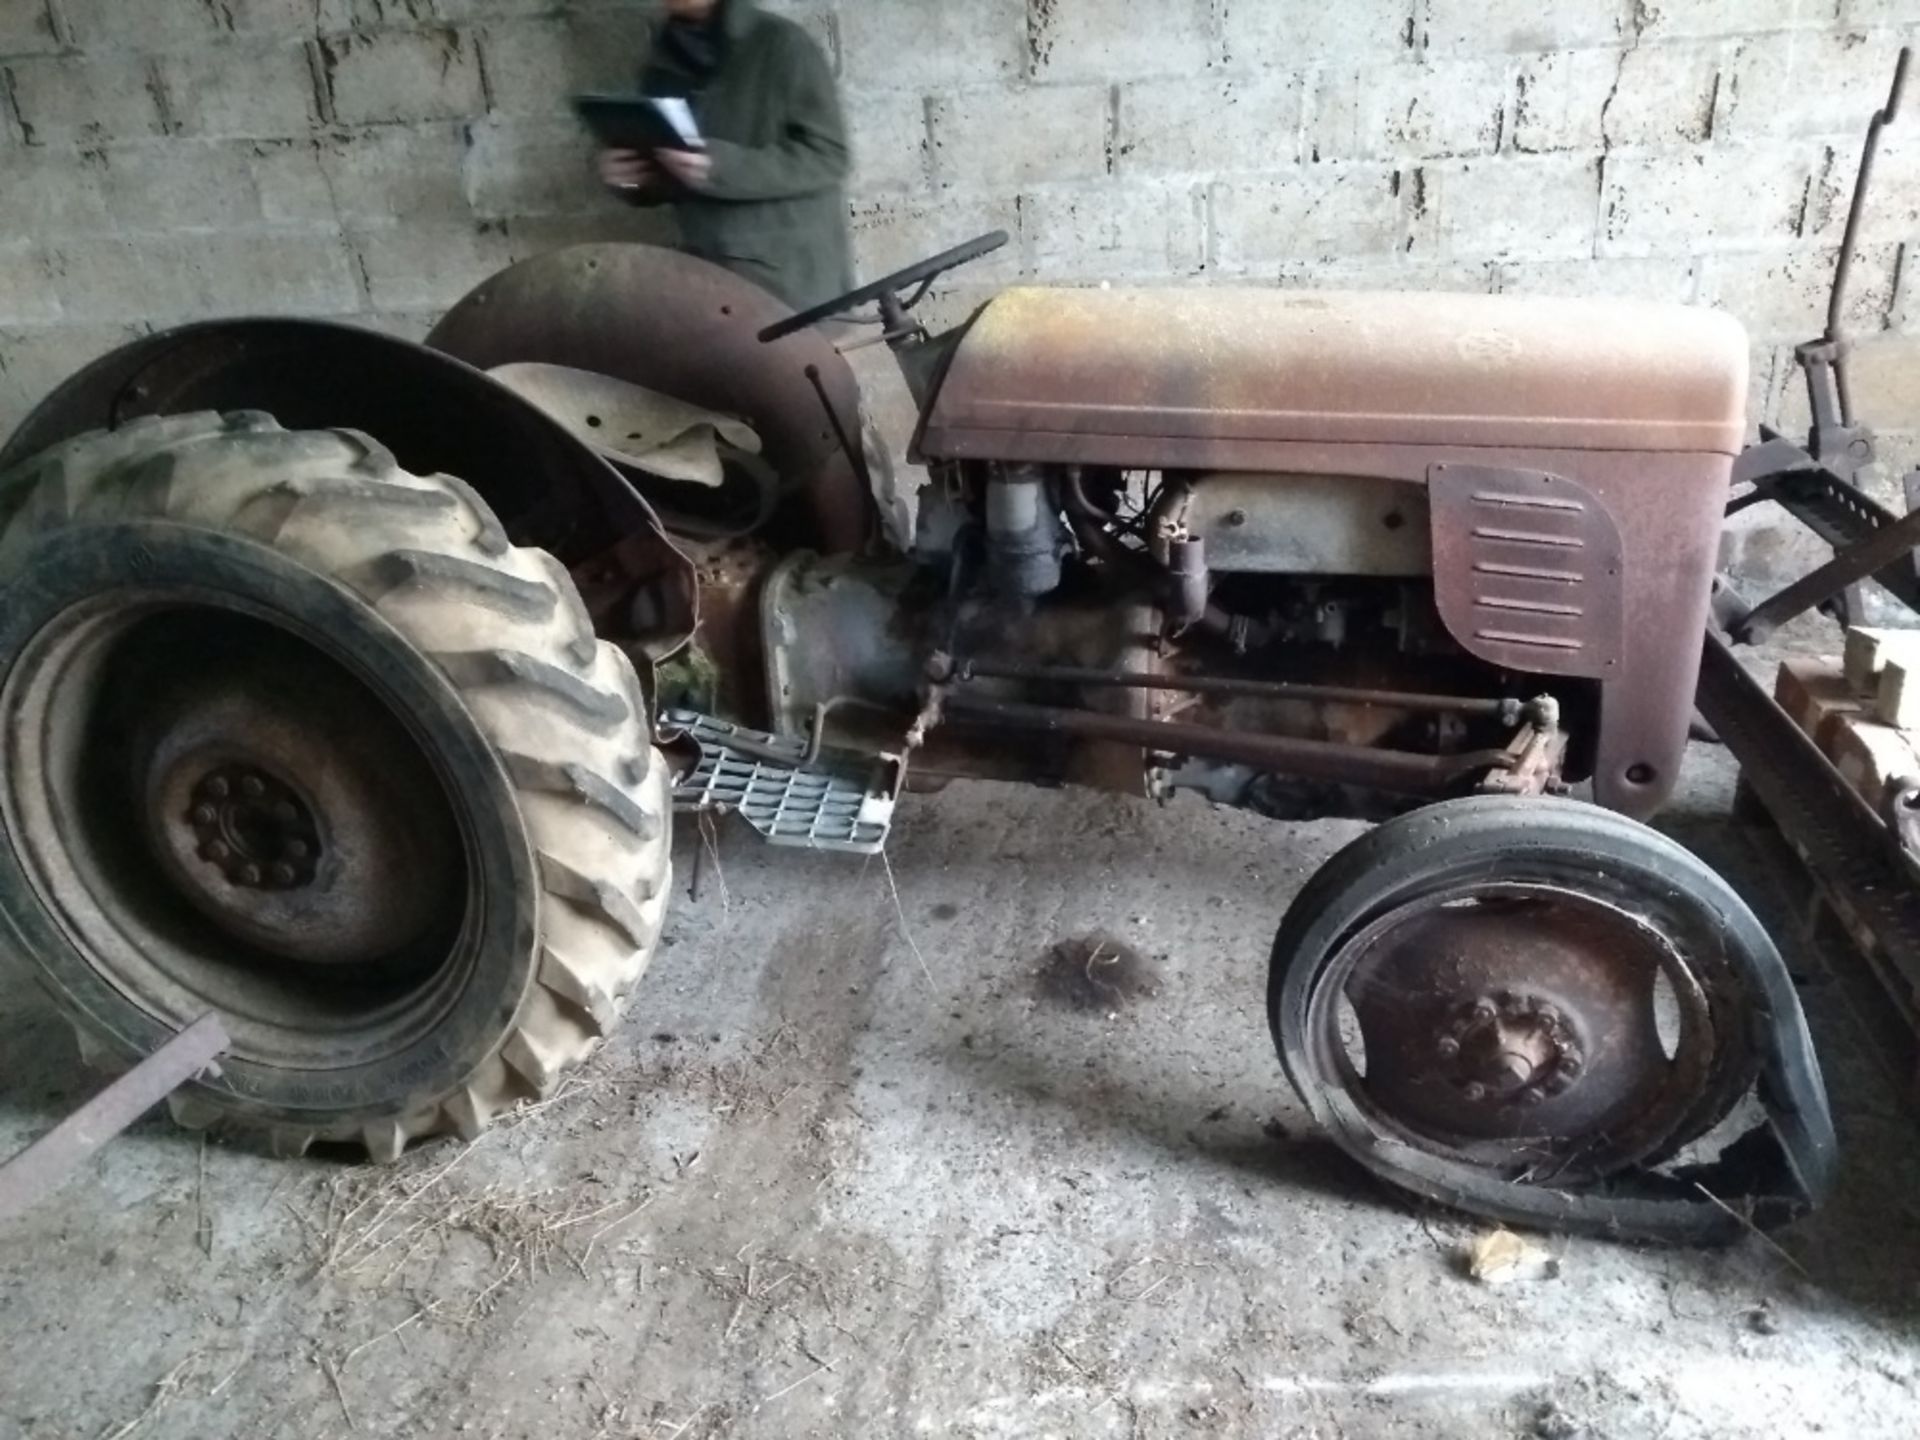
(679, 325)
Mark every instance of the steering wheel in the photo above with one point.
(922, 274)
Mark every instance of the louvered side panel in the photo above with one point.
(1527, 569)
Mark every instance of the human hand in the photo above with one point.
(626, 169)
(692, 168)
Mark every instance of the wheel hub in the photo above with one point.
(1510, 1048)
(1518, 1026)
(255, 829)
(281, 806)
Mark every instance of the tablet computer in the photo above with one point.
(640, 122)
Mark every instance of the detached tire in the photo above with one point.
(300, 738)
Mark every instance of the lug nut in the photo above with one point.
(1570, 1065)
(217, 788)
(295, 850)
(253, 787)
(284, 812)
(205, 814)
(1483, 1011)
(1448, 1047)
(1475, 1091)
(283, 874)
(215, 851)
(249, 874)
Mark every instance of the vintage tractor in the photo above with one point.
(378, 764)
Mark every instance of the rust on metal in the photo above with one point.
(1527, 570)
(40, 1169)
(1395, 771)
(1215, 379)
(1508, 1013)
(977, 669)
(681, 326)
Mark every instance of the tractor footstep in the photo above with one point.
(840, 802)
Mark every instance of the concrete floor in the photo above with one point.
(845, 1177)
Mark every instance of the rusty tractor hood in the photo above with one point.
(1189, 379)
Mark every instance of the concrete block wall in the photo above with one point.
(372, 159)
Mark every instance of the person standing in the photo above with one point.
(766, 198)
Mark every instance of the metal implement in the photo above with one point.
(818, 803)
(1835, 833)
(40, 1169)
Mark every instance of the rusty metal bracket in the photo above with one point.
(40, 1169)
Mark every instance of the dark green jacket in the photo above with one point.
(775, 210)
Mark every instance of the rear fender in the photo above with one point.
(436, 413)
(686, 328)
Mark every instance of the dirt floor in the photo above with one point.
(855, 1169)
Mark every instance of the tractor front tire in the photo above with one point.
(303, 740)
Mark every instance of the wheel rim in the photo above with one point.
(1533, 1030)
(222, 814)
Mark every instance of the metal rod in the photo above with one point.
(1399, 771)
(44, 1166)
(1836, 304)
(1227, 685)
(1852, 565)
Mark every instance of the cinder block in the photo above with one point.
(292, 187)
(535, 67)
(222, 91)
(85, 99)
(1391, 272)
(58, 190)
(1716, 198)
(35, 360)
(463, 10)
(1526, 25)
(27, 294)
(1090, 39)
(1284, 34)
(335, 17)
(1782, 295)
(26, 28)
(891, 149)
(1447, 108)
(418, 173)
(163, 24)
(1706, 19)
(401, 75)
(1664, 277)
(1893, 208)
(425, 267)
(529, 168)
(886, 45)
(1011, 138)
(610, 222)
(1528, 207)
(1885, 376)
(1204, 126)
(180, 185)
(1333, 211)
(1817, 83)
(891, 233)
(163, 278)
(1596, 99)
(1110, 231)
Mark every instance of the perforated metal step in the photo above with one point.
(841, 801)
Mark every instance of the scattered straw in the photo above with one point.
(906, 932)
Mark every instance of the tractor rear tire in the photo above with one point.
(303, 740)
